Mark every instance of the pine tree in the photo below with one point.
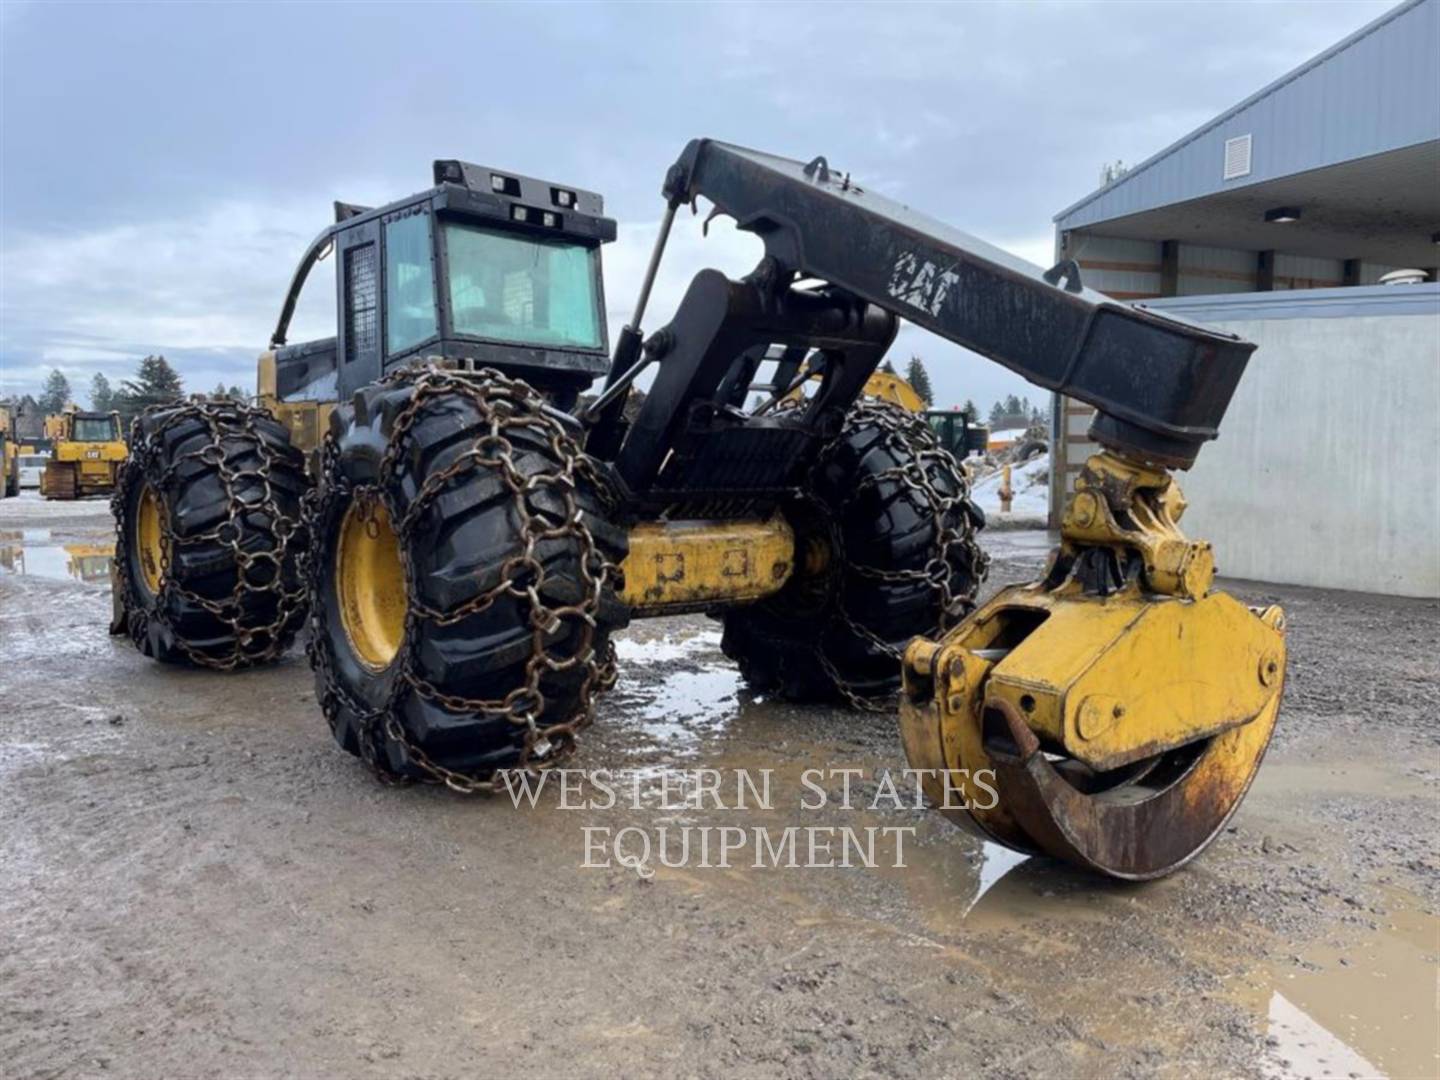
(970, 411)
(888, 368)
(155, 383)
(997, 414)
(220, 392)
(101, 393)
(56, 394)
(919, 379)
(239, 395)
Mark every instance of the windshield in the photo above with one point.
(95, 429)
(523, 289)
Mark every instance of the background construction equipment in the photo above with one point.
(9, 455)
(86, 451)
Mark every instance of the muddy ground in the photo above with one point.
(195, 881)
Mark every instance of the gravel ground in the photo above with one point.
(196, 881)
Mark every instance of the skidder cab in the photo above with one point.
(495, 269)
(474, 532)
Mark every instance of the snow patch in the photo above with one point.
(1030, 481)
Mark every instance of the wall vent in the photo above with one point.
(1237, 157)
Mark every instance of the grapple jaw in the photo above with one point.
(1121, 705)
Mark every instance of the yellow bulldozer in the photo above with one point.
(463, 535)
(87, 450)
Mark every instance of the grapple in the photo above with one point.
(1113, 713)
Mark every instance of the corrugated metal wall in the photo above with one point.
(1373, 92)
(1125, 269)
(1305, 272)
(1207, 270)
(1130, 269)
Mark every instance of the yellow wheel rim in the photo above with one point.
(150, 538)
(370, 583)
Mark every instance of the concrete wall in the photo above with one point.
(1327, 469)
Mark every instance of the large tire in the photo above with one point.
(208, 515)
(886, 536)
(434, 668)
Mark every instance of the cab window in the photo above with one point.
(95, 429)
(409, 283)
(529, 290)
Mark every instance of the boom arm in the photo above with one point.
(1161, 385)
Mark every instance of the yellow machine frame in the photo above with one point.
(9, 455)
(892, 388)
(690, 565)
(306, 421)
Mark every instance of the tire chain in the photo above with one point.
(913, 442)
(505, 404)
(223, 420)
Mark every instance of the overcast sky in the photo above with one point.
(162, 166)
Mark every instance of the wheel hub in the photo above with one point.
(370, 583)
(150, 539)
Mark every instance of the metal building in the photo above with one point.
(1325, 181)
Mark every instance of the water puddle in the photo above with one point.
(947, 881)
(38, 553)
(666, 649)
(679, 709)
(995, 862)
(1364, 1008)
(1298, 1046)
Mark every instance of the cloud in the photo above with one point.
(178, 229)
(204, 291)
(88, 301)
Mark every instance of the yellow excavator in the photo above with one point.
(87, 450)
(473, 533)
(9, 455)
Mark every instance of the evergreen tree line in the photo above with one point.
(1015, 412)
(155, 383)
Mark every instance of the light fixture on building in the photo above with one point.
(1282, 214)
